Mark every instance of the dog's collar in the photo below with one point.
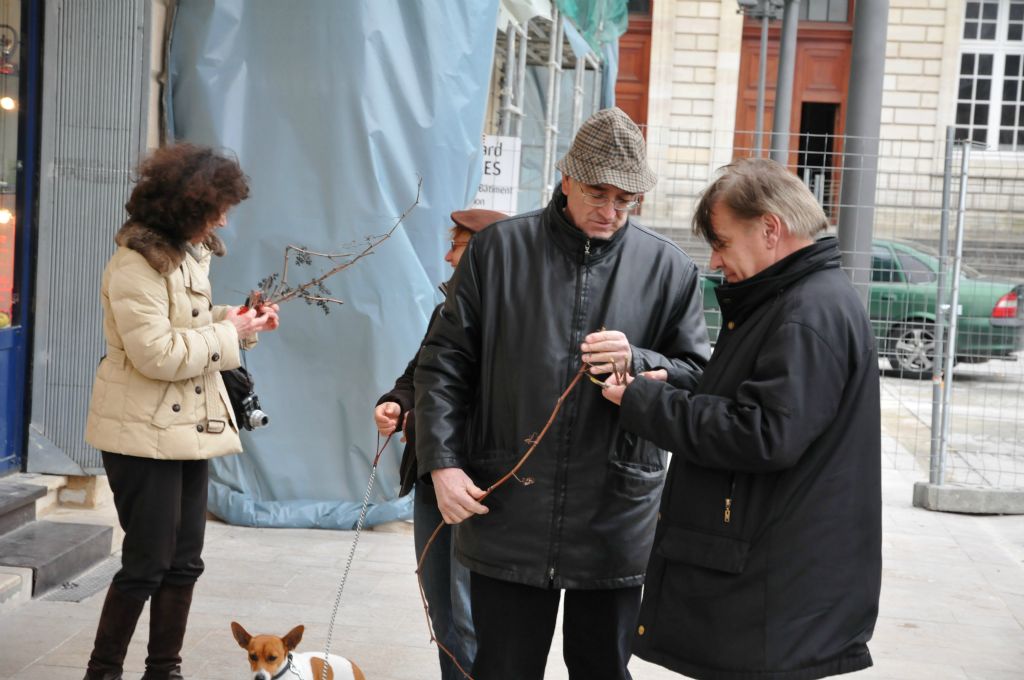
(287, 667)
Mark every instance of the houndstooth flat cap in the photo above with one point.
(609, 149)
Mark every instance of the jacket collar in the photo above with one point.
(569, 237)
(163, 252)
(738, 300)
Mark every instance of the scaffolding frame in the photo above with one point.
(541, 42)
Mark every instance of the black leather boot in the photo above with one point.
(114, 632)
(168, 616)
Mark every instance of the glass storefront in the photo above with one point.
(19, 59)
(10, 43)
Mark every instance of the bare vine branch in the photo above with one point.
(276, 289)
(314, 298)
(534, 441)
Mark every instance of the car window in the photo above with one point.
(915, 270)
(883, 267)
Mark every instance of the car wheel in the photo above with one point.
(913, 351)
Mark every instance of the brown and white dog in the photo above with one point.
(274, 658)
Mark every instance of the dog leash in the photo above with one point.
(352, 551)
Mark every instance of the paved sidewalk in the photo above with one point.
(952, 602)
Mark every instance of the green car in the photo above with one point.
(904, 286)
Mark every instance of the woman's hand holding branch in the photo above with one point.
(252, 321)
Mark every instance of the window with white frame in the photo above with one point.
(825, 10)
(990, 94)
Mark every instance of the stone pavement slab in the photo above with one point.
(952, 602)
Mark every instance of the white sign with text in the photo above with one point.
(499, 183)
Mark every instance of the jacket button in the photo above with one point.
(641, 630)
(176, 408)
(199, 389)
(195, 313)
(659, 516)
(199, 428)
(731, 325)
(215, 356)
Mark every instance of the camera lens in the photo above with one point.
(258, 419)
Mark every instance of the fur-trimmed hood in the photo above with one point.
(163, 253)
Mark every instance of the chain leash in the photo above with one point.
(352, 552)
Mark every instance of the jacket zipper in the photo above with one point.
(576, 339)
(727, 515)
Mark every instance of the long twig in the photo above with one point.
(282, 293)
(534, 443)
(316, 298)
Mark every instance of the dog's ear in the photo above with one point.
(241, 635)
(293, 638)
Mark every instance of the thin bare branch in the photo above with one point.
(534, 443)
(282, 293)
(314, 298)
(329, 256)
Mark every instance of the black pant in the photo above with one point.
(161, 505)
(514, 624)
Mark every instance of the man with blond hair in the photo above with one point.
(532, 298)
(767, 559)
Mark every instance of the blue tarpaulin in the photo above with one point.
(335, 110)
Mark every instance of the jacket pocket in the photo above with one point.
(637, 454)
(720, 553)
(169, 410)
(635, 481)
(702, 604)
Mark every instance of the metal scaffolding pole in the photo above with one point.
(512, 89)
(762, 77)
(860, 155)
(524, 36)
(551, 107)
(784, 82)
(579, 88)
(577, 93)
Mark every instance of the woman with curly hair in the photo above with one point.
(159, 409)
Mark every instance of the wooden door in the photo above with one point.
(631, 86)
(821, 75)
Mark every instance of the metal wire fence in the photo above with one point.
(972, 412)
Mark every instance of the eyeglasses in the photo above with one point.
(456, 244)
(601, 201)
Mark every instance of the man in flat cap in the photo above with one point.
(445, 581)
(534, 296)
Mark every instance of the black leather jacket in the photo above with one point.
(505, 345)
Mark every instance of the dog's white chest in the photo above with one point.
(302, 667)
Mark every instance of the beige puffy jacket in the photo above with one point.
(158, 391)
